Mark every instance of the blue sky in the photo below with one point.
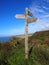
(9, 25)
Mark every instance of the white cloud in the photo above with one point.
(36, 9)
(47, 26)
(45, 7)
(39, 10)
(47, 1)
(45, 16)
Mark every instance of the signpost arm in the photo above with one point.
(26, 33)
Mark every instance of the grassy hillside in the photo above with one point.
(13, 52)
(41, 37)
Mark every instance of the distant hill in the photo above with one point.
(40, 36)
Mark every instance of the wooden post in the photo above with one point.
(26, 33)
(27, 20)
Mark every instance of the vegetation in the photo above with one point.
(42, 35)
(13, 51)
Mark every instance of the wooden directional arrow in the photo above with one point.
(21, 16)
(30, 20)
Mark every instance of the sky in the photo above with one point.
(9, 25)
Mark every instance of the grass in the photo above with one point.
(15, 55)
(13, 52)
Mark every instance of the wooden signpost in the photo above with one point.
(27, 20)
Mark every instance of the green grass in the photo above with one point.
(16, 55)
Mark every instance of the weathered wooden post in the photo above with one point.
(26, 33)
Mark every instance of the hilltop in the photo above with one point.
(40, 37)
